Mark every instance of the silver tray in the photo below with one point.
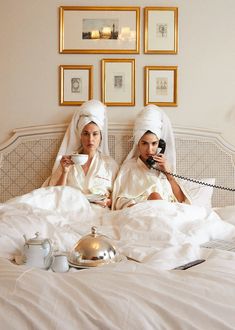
(119, 259)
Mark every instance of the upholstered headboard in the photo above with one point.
(26, 159)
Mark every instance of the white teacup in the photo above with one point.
(80, 159)
(60, 263)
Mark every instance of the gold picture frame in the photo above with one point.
(161, 85)
(76, 84)
(94, 30)
(118, 82)
(160, 30)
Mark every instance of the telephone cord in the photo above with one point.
(195, 180)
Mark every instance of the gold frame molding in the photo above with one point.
(72, 22)
(171, 89)
(117, 87)
(89, 86)
(167, 31)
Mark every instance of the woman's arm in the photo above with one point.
(177, 191)
(63, 178)
(163, 165)
(66, 164)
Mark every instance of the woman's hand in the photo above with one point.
(66, 162)
(164, 166)
(162, 162)
(104, 203)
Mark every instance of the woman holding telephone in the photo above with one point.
(153, 149)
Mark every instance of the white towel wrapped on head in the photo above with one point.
(153, 118)
(90, 111)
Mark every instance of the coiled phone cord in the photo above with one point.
(196, 181)
(151, 162)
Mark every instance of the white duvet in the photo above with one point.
(141, 294)
(160, 233)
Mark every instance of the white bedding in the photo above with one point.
(146, 294)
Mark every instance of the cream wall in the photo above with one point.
(30, 59)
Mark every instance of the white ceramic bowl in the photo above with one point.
(80, 159)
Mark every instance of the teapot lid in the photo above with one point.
(34, 240)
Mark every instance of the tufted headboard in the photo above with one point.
(26, 159)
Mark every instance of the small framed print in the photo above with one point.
(97, 30)
(76, 84)
(118, 82)
(161, 85)
(161, 30)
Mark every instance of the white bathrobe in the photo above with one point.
(99, 178)
(135, 182)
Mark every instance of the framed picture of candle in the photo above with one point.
(76, 84)
(161, 85)
(99, 30)
(161, 30)
(118, 82)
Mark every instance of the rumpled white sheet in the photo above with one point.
(125, 295)
(161, 234)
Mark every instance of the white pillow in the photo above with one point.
(226, 213)
(198, 194)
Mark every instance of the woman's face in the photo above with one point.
(148, 145)
(90, 138)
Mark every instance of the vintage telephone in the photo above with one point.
(161, 145)
(153, 164)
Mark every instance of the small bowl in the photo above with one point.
(80, 159)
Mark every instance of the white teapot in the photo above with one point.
(37, 252)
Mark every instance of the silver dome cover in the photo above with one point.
(93, 250)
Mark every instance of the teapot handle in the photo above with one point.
(48, 257)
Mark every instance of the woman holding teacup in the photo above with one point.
(85, 163)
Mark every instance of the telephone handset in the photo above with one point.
(161, 145)
(151, 163)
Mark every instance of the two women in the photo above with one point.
(136, 182)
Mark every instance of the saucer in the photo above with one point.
(92, 198)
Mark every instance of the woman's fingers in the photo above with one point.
(162, 162)
(160, 159)
(101, 203)
(105, 203)
(66, 161)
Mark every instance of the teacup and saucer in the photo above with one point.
(80, 159)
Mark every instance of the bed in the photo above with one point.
(145, 290)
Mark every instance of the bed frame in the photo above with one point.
(26, 159)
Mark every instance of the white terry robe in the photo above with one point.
(99, 178)
(90, 111)
(135, 182)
